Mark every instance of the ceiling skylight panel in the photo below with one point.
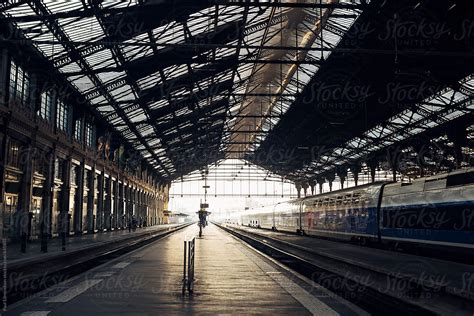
(135, 52)
(102, 59)
(137, 115)
(68, 68)
(61, 6)
(175, 70)
(21, 10)
(123, 93)
(106, 77)
(106, 108)
(170, 33)
(30, 28)
(159, 104)
(84, 29)
(100, 99)
(83, 83)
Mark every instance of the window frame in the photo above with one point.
(47, 105)
(19, 83)
(62, 116)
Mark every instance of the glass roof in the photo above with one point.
(197, 80)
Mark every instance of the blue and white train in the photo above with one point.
(433, 211)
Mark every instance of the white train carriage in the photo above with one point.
(262, 217)
(437, 210)
(344, 214)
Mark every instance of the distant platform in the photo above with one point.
(74, 243)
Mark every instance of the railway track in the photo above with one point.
(375, 290)
(26, 279)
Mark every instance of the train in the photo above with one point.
(436, 211)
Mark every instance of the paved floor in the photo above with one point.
(458, 278)
(73, 243)
(231, 279)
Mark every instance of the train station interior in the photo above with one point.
(237, 157)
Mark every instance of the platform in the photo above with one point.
(73, 243)
(455, 277)
(231, 279)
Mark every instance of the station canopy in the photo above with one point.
(191, 82)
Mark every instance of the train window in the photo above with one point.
(348, 199)
(356, 198)
(460, 179)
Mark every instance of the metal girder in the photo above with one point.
(192, 130)
(389, 134)
(41, 10)
(187, 81)
(148, 15)
(190, 100)
(185, 122)
(171, 10)
(210, 112)
(184, 52)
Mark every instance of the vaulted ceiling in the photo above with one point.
(188, 83)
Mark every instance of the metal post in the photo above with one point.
(191, 265)
(188, 265)
(184, 270)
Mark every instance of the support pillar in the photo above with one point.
(145, 213)
(23, 218)
(342, 174)
(138, 211)
(129, 207)
(4, 75)
(64, 216)
(298, 189)
(305, 187)
(355, 169)
(312, 185)
(90, 202)
(3, 159)
(121, 201)
(458, 135)
(320, 182)
(115, 208)
(79, 201)
(47, 205)
(107, 203)
(372, 164)
(330, 177)
(100, 202)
